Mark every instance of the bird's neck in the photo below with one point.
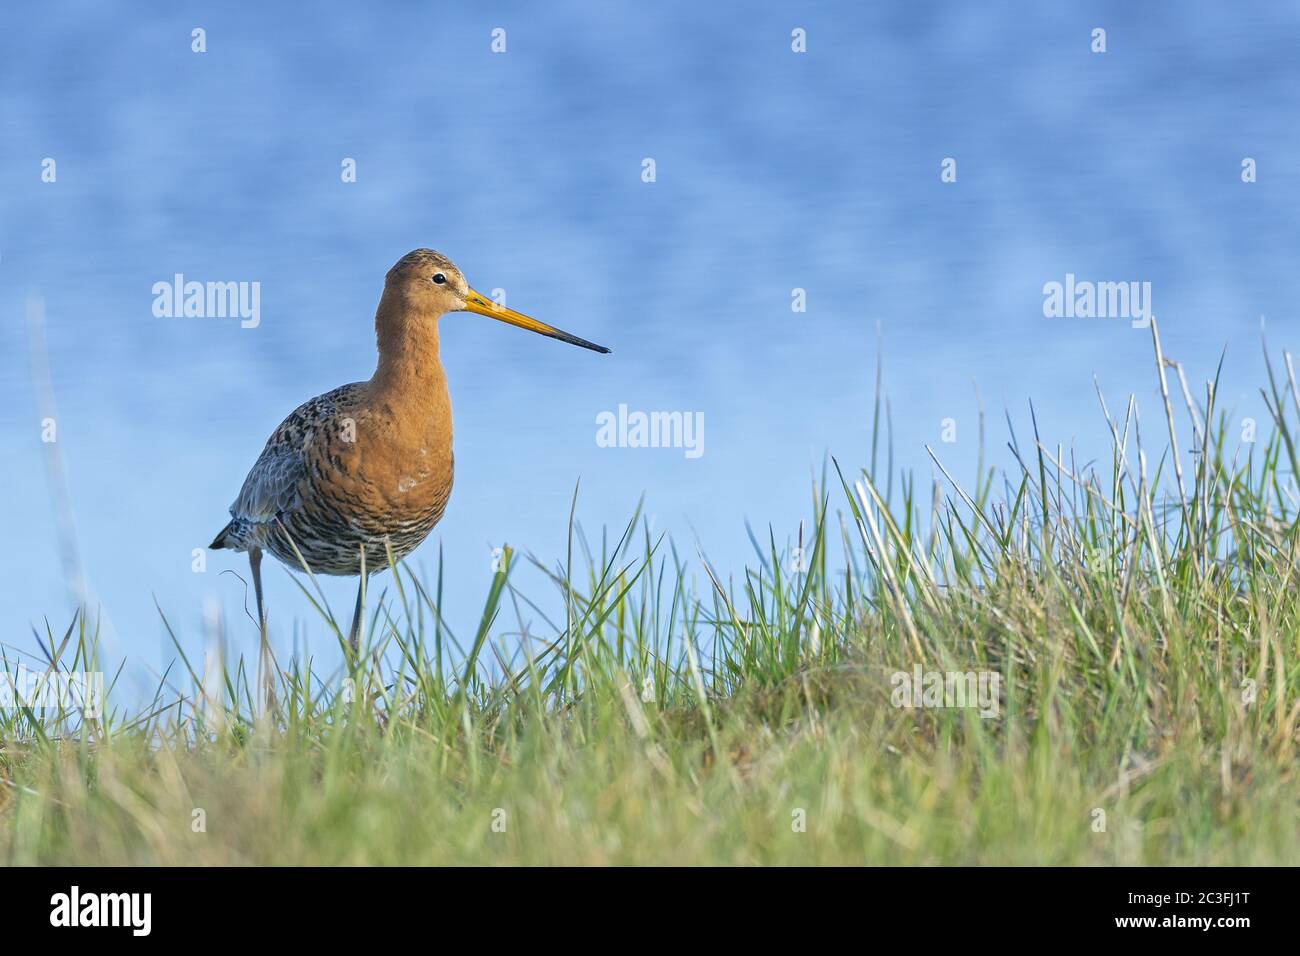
(409, 374)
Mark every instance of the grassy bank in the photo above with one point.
(1139, 614)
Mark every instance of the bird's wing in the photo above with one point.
(271, 487)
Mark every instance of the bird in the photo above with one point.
(365, 470)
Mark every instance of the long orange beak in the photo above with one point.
(481, 304)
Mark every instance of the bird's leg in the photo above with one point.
(264, 655)
(255, 563)
(354, 633)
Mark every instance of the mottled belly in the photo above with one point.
(341, 519)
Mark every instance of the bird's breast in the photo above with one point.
(384, 475)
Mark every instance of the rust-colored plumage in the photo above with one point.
(367, 468)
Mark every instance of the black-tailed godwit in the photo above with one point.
(367, 468)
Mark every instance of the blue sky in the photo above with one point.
(774, 171)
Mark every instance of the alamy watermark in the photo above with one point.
(53, 690)
(1083, 299)
(209, 300)
(982, 689)
(626, 429)
(75, 908)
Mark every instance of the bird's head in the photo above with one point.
(431, 282)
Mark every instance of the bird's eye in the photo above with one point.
(439, 279)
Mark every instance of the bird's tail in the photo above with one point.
(225, 538)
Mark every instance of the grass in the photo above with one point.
(1140, 613)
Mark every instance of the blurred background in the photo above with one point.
(775, 171)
